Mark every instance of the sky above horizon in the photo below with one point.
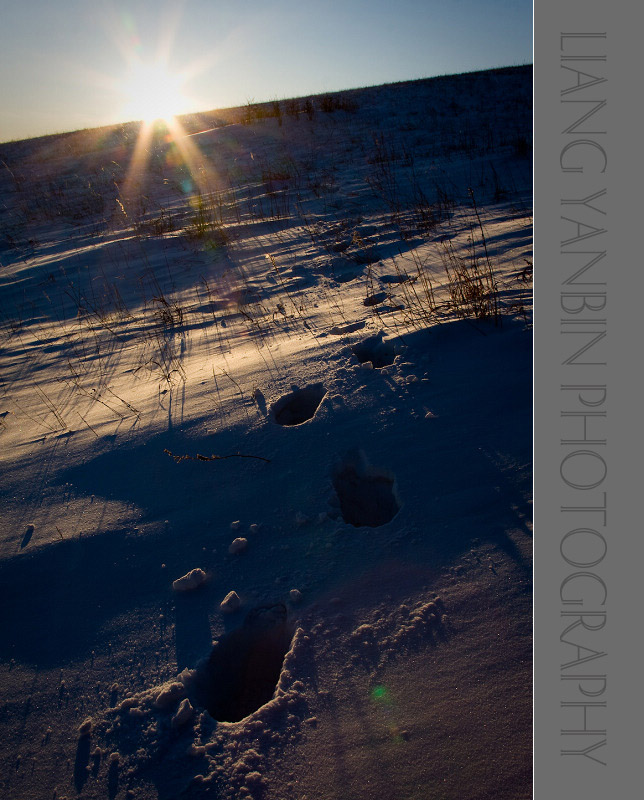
(69, 65)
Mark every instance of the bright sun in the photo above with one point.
(153, 92)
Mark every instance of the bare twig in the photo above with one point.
(199, 457)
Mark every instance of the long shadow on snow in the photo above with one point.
(487, 412)
(148, 477)
(56, 598)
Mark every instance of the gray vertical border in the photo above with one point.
(588, 441)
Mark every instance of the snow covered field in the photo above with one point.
(285, 352)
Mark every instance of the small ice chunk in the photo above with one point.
(238, 546)
(230, 603)
(236, 525)
(254, 528)
(189, 581)
(295, 596)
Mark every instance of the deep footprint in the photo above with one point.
(367, 496)
(298, 406)
(245, 665)
(374, 349)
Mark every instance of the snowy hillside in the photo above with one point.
(283, 353)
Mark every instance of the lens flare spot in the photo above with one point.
(379, 693)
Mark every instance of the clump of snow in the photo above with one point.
(230, 603)
(128, 703)
(186, 676)
(295, 596)
(183, 715)
(238, 545)
(86, 727)
(29, 532)
(191, 580)
(235, 525)
(169, 695)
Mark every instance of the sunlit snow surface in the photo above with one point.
(311, 331)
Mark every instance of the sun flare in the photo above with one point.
(153, 92)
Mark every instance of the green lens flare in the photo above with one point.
(379, 693)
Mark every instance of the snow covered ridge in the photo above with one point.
(265, 409)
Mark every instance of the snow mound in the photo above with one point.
(189, 581)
